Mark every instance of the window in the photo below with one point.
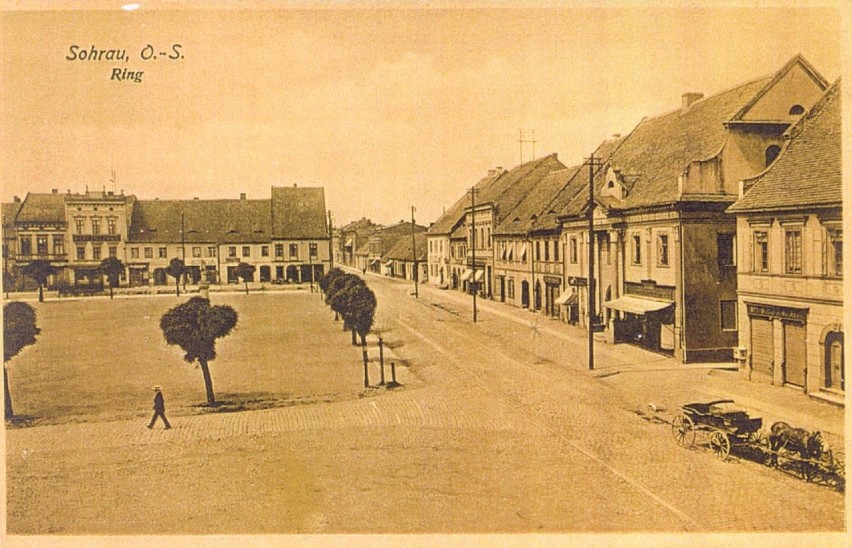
(196, 252)
(41, 245)
(113, 252)
(488, 237)
(79, 224)
(26, 245)
(636, 248)
(134, 252)
(294, 251)
(538, 251)
(663, 250)
(728, 314)
(96, 225)
(232, 251)
(264, 251)
(211, 251)
(793, 251)
(161, 253)
(279, 250)
(312, 248)
(111, 226)
(149, 252)
(511, 288)
(796, 110)
(725, 249)
(761, 251)
(572, 249)
(81, 253)
(246, 251)
(556, 250)
(605, 249)
(546, 250)
(835, 252)
(58, 245)
(771, 153)
(96, 252)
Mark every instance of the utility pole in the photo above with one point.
(414, 254)
(472, 284)
(590, 286)
(526, 136)
(183, 249)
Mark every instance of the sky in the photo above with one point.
(385, 109)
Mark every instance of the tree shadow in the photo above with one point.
(23, 421)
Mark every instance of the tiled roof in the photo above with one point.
(507, 191)
(537, 201)
(390, 235)
(401, 251)
(448, 221)
(298, 212)
(9, 212)
(658, 150)
(42, 207)
(809, 170)
(211, 221)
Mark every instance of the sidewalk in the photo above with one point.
(708, 380)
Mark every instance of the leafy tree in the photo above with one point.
(195, 326)
(19, 331)
(112, 268)
(176, 269)
(361, 309)
(246, 272)
(39, 270)
(328, 278)
(341, 290)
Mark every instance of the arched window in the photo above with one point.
(796, 110)
(771, 153)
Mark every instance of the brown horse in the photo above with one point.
(808, 445)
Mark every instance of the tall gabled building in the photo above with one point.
(665, 273)
(790, 259)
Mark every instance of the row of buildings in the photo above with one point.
(286, 237)
(398, 250)
(716, 233)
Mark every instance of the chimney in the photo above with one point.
(242, 195)
(294, 185)
(54, 190)
(16, 199)
(616, 136)
(690, 97)
(196, 197)
(492, 172)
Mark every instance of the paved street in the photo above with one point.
(498, 427)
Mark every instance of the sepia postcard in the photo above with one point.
(423, 273)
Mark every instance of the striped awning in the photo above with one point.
(567, 298)
(466, 276)
(636, 305)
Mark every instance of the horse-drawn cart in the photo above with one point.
(726, 424)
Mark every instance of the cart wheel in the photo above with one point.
(826, 461)
(720, 444)
(683, 431)
(757, 439)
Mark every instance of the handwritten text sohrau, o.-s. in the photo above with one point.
(115, 56)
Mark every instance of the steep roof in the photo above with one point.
(298, 212)
(537, 201)
(389, 236)
(658, 149)
(448, 221)
(401, 250)
(9, 212)
(42, 207)
(211, 221)
(508, 190)
(809, 171)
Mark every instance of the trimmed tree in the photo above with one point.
(361, 309)
(176, 269)
(341, 293)
(112, 269)
(195, 326)
(19, 331)
(245, 272)
(39, 270)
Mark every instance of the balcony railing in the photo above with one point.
(57, 257)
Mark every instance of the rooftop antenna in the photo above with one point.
(112, 177)
(526, 136)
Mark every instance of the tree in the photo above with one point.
(340, 291)
(328, 278)
(112, 269)
(19, 331)
(361, 309)
(39, 270)
(176, 269)
(195, 326)
(246, 272)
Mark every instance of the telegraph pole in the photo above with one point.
(472, 284)
(414, 254)
(590, 286)
(330, 242)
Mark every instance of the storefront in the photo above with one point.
(643, 321)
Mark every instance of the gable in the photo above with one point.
(798, 86)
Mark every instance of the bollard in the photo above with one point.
(381, 362)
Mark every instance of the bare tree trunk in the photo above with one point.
(354, 340)
(208, 381)
(177, 286)
(7, 396)
(110, 290)
(40, 293)
(246, 282)
(364, 357)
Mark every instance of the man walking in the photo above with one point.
(159, 408)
